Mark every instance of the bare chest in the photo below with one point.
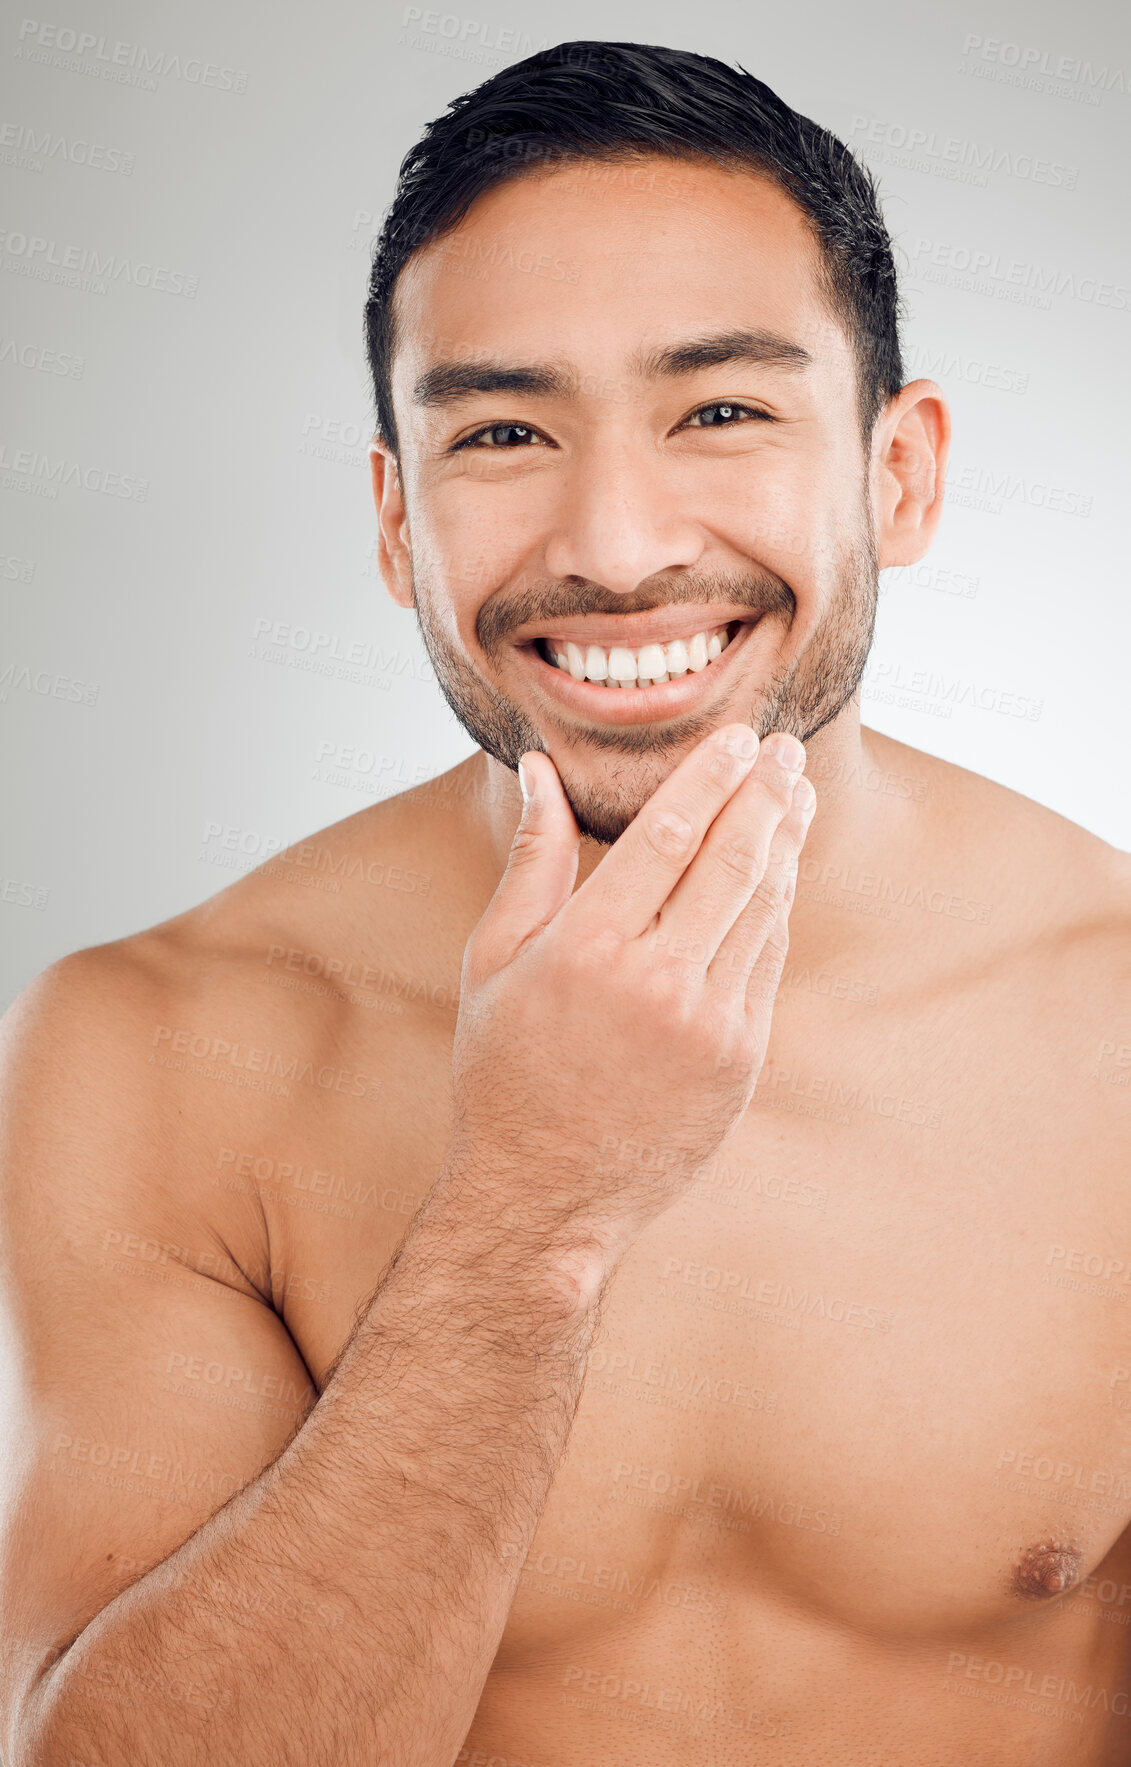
(869, 1373)
(878, 1359)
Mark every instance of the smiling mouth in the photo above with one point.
(646, 665)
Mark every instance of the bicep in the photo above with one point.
(138, 1395)
(130, 1421)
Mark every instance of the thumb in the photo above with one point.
(541, 868)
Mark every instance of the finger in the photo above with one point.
(732, 859)
(764, 979)
(540, 873)
(751, 955)
(639, 872)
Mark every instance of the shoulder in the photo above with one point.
(369, 875)
(1047, 872)
(83, 1017)
(105, 1057)
(389, 876)
(1056, 964)
(266, 969)
(1046, 903)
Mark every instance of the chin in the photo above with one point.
(603, 808)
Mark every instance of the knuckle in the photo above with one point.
(761, 914)
(674, 994)
(775, 789)
(673, 977)
(785, 850)
(765, 977)
(592, 953)
(668, 834)
(778, 873)
(525, 845)
(720, 765)
(777, 941)
(739, 859)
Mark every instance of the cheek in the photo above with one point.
(784, 526)
(812, 537)
(454, 573)
(471, 535)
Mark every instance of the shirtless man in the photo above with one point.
(446, 1318)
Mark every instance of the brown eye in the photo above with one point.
(499, 435)
(727, 413)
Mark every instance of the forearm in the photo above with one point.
(404, 1505)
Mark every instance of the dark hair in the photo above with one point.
(622, 101)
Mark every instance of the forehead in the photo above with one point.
(585, 264)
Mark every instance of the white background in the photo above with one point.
(263, 154)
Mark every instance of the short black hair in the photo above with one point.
(616, 102)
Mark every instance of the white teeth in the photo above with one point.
(651, 665)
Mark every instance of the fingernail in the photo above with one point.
(804, 797)
(739, 740)
(526, 784)
(788, 751)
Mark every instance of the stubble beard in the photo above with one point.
(801, 698)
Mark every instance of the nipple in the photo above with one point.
(1047, 1569)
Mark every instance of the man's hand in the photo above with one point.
(636, 1010)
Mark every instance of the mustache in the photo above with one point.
(503, 613)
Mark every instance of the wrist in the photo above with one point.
(491, 1219)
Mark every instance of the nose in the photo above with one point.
(617, 523)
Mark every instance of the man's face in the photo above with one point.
(629, 440)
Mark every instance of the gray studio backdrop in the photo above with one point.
(199, 663)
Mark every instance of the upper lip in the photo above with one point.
(657, 625)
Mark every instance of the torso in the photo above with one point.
(850, 1479)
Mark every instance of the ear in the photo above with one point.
(908, 472)
(394, 556)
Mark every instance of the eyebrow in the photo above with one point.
(768, 349)
(447, 382)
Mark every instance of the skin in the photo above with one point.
(888, 1521)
